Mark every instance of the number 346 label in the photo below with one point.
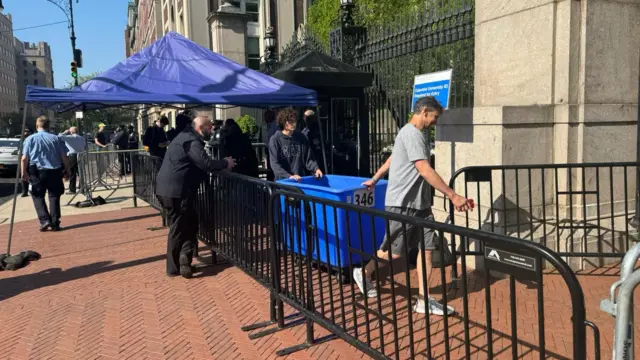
(364, 197)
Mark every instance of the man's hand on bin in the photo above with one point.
(231, 162)
(297, 178)
(318, 174)
(369, 184)
(462, 204)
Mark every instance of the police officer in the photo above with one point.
(45, 163)
(184, 167)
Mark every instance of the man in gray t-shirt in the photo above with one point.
(408, 193)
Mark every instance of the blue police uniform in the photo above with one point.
(45, 153)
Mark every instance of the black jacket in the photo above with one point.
(121, 140)
(185, 166)
(155, 138)
(237, 145)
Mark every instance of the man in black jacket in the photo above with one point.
(184, 167)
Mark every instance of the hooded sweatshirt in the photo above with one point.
(290, 155)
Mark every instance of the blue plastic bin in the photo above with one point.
(347, 189)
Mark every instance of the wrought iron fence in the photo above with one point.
(577, 210)
(438, 37)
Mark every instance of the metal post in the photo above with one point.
(15, 188)
(73, 36)
(623, 337)
(635, 221)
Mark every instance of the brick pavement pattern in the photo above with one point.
(100, 292)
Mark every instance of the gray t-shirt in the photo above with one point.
(406, 187)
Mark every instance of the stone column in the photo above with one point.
(228, 38)
(555, 82)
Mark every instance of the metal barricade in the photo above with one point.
(260, 149)
(145, 172)
(276, 235)
(620, 305)
(107, 169)
(577, 210)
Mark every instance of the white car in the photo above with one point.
(9, 154)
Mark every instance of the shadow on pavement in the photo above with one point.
(110, 221)
(13, 286)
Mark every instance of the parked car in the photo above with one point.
(9, 154)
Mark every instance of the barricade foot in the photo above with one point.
(304, 346)
(273, 330)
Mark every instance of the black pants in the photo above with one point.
(182, 220)
(121, 160)
(73, 168)
(25, 188)
(43, 181)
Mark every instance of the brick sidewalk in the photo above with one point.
(100, 291)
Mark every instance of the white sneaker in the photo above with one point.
(361, 281)
(435, 308)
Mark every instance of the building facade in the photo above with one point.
(8, 72)
(34, 67)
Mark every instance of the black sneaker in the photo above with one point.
(186, 270)
(45, 226)
(25, 195)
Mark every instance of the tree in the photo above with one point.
(324, 15)
(248, 125)
(91, 119)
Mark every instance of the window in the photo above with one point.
(35, 81)
(26, 82)
(253, 53)
(35, 72)
(26, 73)
(252, 10)
(33, 63)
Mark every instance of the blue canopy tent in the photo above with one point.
(175, 70)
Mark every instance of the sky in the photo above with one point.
(99, 27)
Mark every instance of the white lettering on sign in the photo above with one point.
(364, 197)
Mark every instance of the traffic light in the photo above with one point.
(74, 69)
(77, 57)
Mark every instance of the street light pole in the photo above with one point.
(67, 8)
(73, 36)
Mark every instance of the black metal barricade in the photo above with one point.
(381, 325)
(278, 237)
(577, 210)
(145, 171)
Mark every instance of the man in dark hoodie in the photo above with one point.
(289, 152)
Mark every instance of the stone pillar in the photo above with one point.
(555, 82)
(228, 38)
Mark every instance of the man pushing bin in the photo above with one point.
(408, 193)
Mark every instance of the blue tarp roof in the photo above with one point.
(175, 70)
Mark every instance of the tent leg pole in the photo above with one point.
(18, 170)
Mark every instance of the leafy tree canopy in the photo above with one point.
(324, 15)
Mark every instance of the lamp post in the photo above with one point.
(270, 60)
(67, 8)
(346, 18)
